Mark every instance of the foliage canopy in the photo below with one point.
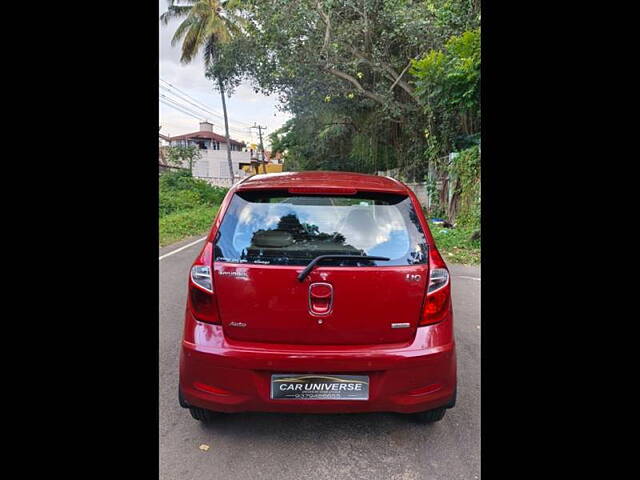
(359, 77)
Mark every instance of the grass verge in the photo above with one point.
(186, 206)
(185, 223)
(455, 244)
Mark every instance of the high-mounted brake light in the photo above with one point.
(327, 191)
(202, 299)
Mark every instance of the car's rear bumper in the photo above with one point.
(243, 371)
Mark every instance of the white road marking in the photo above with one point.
(470, 278)
(181, 248)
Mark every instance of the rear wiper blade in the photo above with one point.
(303, 274)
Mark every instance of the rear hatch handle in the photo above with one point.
(303, 274)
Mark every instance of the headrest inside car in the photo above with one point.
(271, 238)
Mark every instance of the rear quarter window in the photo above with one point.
(278, 228)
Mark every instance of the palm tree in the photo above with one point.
(206, 25)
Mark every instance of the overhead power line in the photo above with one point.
(194, 113)
(175, 107)
(178, 101)
(186, 100)
(207, 112)
(199, 104)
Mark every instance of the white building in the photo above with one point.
(212, 165)
(163, 140)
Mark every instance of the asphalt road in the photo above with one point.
(285, 446)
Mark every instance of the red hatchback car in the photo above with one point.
(319, 292)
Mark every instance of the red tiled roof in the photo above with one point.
(207, 135)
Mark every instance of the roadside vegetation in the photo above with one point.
(385, 85)
(457, 245)
(370, 85)
(187, 206)
(459, 241)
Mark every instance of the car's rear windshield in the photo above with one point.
(279, 228)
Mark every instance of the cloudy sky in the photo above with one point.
(244, 108)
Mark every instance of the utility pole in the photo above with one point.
(259, 127)
(226, 129)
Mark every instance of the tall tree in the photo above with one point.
(207, 25)
(342, 68)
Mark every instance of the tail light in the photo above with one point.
(438, 299)
(201, 277)
(202, 297)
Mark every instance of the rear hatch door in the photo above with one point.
(267, 238)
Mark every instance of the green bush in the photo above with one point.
(457, 244)
(180, 191)
(175, 180)
(466, 167)
(187, 205)
(178, 225)
(209, 195)
(174, 201)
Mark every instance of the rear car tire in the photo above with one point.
(202, 415)
(452, 403)
(430, 416)
(181, 400)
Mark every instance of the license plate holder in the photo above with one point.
(291, 386)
